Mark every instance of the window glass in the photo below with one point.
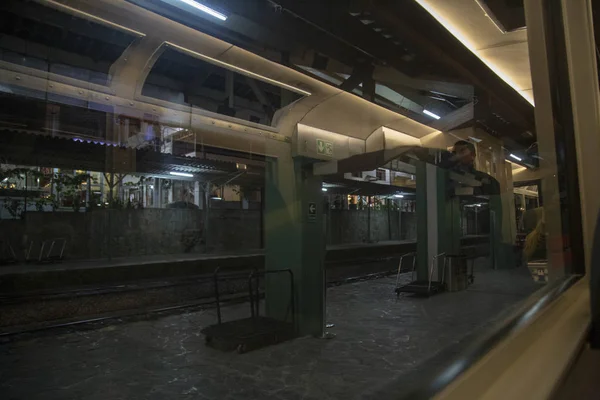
(205, 228)
(49, 40)
(180, 78)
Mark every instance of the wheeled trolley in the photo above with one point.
(257, 331)
(424, 288)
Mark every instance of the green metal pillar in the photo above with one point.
(295, 239)
(438, 218)
(502, 253)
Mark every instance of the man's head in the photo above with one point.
(464, 152)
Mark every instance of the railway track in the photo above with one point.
(90, 306)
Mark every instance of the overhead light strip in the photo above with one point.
(519, 166)
(205, 9)
(432, 115)
(181, 174)
(78, 13)
(240, 70)
(515, 157)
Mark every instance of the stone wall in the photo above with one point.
(100, 234)
(352, 226)
(126, 233)
(408, 227)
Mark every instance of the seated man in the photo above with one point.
(462, 160)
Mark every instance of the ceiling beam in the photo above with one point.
(412, 23)
(297, 33)
(360, 74)
(261, 96)
(334, 19)
(456, 118)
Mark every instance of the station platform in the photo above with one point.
(381, 344)
(37, 295)
(341, 260)
(72, 273)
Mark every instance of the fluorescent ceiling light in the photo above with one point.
(205, 9)
(181, 174)
(476, 140)
(515, 157)
(216, 198)
(432, 115)
(399, 196)
(238, 69)
(324, 189)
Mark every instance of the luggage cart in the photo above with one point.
(427, 287)
(252, 333)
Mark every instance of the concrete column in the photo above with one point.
(144, 192)
(295, 239)
(157, 193)
(197, 194)
(170, 192)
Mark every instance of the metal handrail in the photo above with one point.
(254, 304)
(414, 254)
(254, 297)
(433, 262)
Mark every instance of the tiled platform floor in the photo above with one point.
(378, 339)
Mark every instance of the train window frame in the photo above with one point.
(194, 110)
